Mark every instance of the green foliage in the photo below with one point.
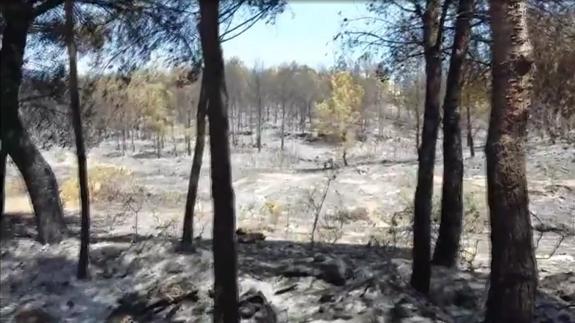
(337, 117)
(155, 102)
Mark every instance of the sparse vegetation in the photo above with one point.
(107, 183)
(319, 198)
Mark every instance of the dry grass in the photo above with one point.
(104, 183)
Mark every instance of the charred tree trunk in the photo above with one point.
(79, 137)
(513, 279)
(188, 136)
(2, 181)
(160, 144)
(224, 242)
(174, 140)
(259, 130)
(470, 143)
(417, 115)
(38, 176)
(447, 246)
(124, 145)
(232, 116)
(310, 114)
(188, 232)
(421, 268)
(283, 125)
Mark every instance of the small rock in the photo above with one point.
(402, 309)
(254, 307)
(334, 271)
(173, 267)
(327, 298)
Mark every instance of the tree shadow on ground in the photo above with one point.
(323, 282)
(33, 286)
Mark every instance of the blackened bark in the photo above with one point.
(260, 108)
(174, 141)
(224, 242)
(470, 143)
(421, 267)
(513, 279)
(37, 174)
(2, 181)
(188, 232)
(447, 246)
(283, 125)
(158, 146)
(188, 136)
(123, 141)
(417, 115)
(79, 137)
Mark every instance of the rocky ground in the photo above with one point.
(358, 272)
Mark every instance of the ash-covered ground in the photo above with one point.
(358, 271)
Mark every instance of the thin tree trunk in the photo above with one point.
(233, 124)
(380, 122)
(310, 114)
(224, 243)
(239, 126)
(283, 125)
(158, 146)
(447, 246)
(470, 143)
(421, 267)
(2, 181)
(188, 136)
(80, 150)
(260, 108)
(513, 278)
(123, 141)
(38, 176)
(188, 232)
(174, 142)
(417, 115)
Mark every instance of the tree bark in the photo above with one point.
(79, 138)
(260, 110)
(188, 136)
(233, 124)
(513, 279)
(2, 181)
(283, 125)
(259, 130)
(188, 232)
(38, 176)
(470, 143)
(224, 243)
(158, 146)
(421, 267)
(417, 115)
(447, 246)
(123, 141)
